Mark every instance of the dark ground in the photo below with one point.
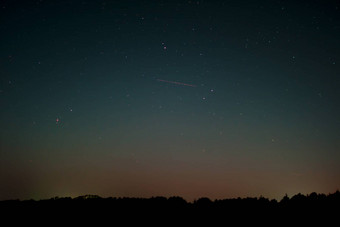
(159, 211)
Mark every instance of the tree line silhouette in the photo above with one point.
(312, 208)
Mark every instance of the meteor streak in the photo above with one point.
(175, 82)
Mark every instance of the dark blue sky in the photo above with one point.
(94, 98)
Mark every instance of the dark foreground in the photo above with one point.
(160, 211)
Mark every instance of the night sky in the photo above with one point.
(215, 99)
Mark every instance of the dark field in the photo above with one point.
(313, 209)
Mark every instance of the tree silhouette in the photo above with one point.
(302, 209)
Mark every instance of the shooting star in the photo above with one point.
(175, 82)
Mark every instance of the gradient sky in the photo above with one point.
(160, 98)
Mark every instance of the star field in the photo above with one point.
(190, 98)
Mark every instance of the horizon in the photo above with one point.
(91, 196)
(216, 99)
